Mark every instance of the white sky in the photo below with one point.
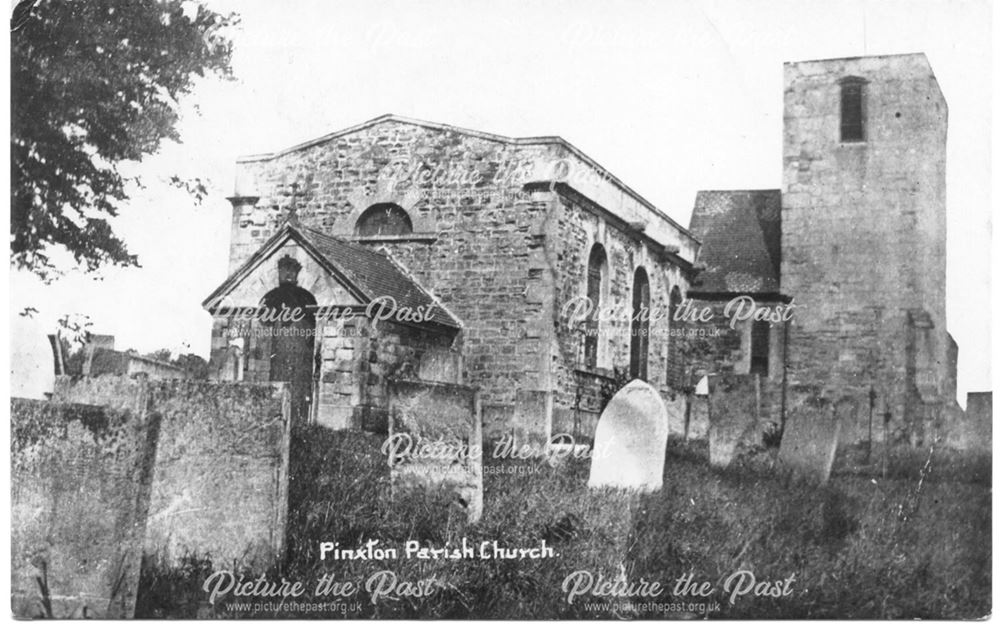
(672, 97)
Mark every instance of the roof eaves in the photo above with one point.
(243, 270)
(274, 243)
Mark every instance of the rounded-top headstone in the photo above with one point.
(631, 440)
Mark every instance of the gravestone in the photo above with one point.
(435, 442)
(698, 417)
(440, 365)
(631, 440)
(809, 442)
(80, 490)
(732, 416)
(531, 422)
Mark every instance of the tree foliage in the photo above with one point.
(96, 83)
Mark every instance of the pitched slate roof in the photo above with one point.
(740, 232)
(370, 273)
(376, 274)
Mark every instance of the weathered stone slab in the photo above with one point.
(221, 477)
(440, 366)
(220, 487)
(978, 422)
(677, 408)
(698, 417)
(531, 423)
(80, 489)
(631, 440)
(732, 415)
(809, 441)
(435, 441)
(121, 393)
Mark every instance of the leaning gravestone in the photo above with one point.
(631, 440)
(809, 442)
(732, 416)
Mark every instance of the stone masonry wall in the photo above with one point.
(115, 391)
(717, 347)
(470, 241)
(581, 225)
(396, 351)
(863, 227)
(478, 243)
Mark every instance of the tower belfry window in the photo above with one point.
(852, 109)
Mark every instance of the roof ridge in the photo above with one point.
(738, 190)
(604, 172)
(861, 57)
(530, 140)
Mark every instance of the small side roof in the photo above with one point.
(740, 232)
(372, 274)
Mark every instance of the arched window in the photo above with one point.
(384, 219)
(639, 350)
(674, 366)
(852, 109)
(597, 273)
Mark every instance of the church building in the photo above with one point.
(521, 266)
(423, 250)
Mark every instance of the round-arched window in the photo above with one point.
(384, 219)
(597, 275)
(639, 349)
(674, 367)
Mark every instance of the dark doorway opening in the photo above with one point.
(292, 323)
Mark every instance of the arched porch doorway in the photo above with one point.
(292, 324)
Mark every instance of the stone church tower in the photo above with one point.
(863, 237)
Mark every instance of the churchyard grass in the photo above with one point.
(860, 547)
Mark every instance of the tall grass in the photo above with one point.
(861, 547)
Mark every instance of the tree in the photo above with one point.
(96, 83)
(162, 355)
(196, 366)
